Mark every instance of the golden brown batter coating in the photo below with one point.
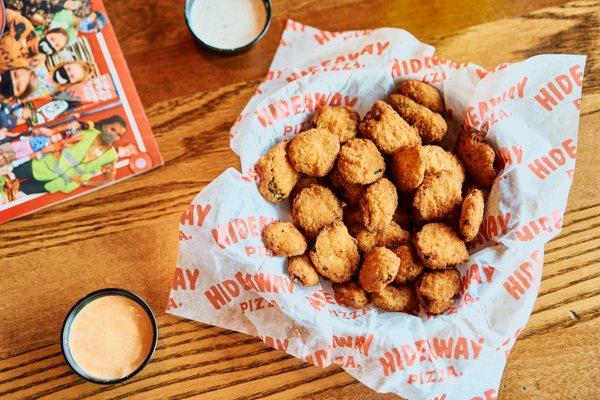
(422, 93)
(401, 298)
(302, 271)
(407, 167)
(314, 208)
(438, 159)
(438, 195)
(360, 162)
(379, 268)
(350, 192)
(339, 120)
(410, 265)
(391, 237)
(277, 175)
(471, 214)
(439, 246)
(350, 294)
(313, 152)
(335, 255)
(431, 126)
(284, 239)
(379, 204)
(387, 129)
(478, 157)
(436, 290)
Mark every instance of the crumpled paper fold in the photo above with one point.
(530, 112)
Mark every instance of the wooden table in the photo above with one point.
(127, 235)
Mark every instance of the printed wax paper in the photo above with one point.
(529, 111)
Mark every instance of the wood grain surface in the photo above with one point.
(127, 235)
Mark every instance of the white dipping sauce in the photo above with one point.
(227, 24)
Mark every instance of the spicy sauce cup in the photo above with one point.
(109, 336)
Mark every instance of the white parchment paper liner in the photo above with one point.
(530, 111)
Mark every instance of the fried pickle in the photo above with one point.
(401, 298)
(471, 214)
(431, 126)
(478, 157)
(422, 93)
(313, 152)
(284, 239)
(379, 204)
(302, 271)
(407, 167)
(378, 269)
(436, 290)
(277, 175)
(335, 255)
(350, 294)
(410, 265)
(391, 237)
(439, 246)
(314, 208)
(339, 120)
(360, 162)
(388, 130)
(437, 196)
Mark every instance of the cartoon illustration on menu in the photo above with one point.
(70, 119)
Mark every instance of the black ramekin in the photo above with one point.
(188, 6)
(64, 334)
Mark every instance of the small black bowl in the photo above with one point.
(64, 334)
(188, 6)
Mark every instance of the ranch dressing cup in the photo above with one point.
(228, 26)
(109, 336)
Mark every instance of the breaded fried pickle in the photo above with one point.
(360, 162)
(401, 298)
(350, 192)
(431, 126)
(437, 159)
(478, 158)
(284, 239)
(388, 130)
(410, 265)
(436, 290)
(314, 208)
(378, 269)
(422, 93)
(379, 204)
(335, 255)
(339, 120)
(391, 237)
(302, 271)
(408, 168)
(439, 246)
(313, 152)
(471, 214)
(350, 294)
(277, 175)
(438, 195)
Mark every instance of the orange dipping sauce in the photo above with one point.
(110, 337)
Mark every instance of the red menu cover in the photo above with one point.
(71, 120)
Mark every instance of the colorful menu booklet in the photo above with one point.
(70, 118)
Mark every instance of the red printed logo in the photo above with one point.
(523, 277)
(220, 294)
(300, 104)
(545, 165)
(561, 86)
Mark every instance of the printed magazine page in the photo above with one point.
(71, 120)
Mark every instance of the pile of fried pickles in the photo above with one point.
(377, 207)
